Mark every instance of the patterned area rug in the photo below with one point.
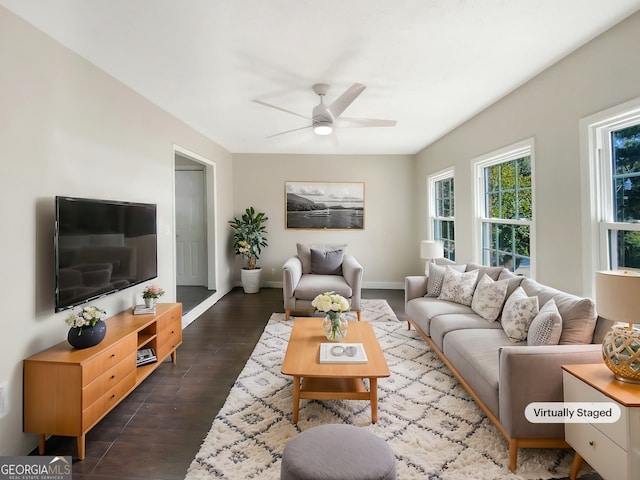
(435, 429)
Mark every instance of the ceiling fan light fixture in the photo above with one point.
(322, 128)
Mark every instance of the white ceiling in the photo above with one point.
(429, 64)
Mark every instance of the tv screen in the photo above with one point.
(102, 247)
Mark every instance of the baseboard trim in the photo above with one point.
(372, 285)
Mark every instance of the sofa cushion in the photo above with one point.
(304, 253)
(442, 325)
(492, 272)
(546, 327)
(519, 311)
(311, 286)
(489, 297)
(326, 263)
(475, 355)
(514, 280)
(458, 287)
(578, 314)
(422, 309)
(436, 277)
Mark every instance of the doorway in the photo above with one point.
(195, 239)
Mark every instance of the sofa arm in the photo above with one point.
(414, 287)
(534, 374)
(352, 273)
(291, 275)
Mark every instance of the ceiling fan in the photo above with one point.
(324, 118)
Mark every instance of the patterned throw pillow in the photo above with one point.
(546, 328)
(436, 277)
(519, 311)
(489, 297)
(458, 287)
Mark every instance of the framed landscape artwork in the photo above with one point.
(324, 205)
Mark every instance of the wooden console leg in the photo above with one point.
(80, 443)
(575, 467)
(41, 443)
(174, 357)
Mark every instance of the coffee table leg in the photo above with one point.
(296, 398)
(373, 393)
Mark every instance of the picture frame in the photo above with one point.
(324, 205)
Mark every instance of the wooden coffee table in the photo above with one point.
(328, 381)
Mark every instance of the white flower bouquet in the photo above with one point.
(331, 303)
(87, 317)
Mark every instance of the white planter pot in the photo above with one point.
(250, 280)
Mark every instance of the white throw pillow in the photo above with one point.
(458, 287)
(546, 328)
(436, 277)
(519, 311)
(489, 297)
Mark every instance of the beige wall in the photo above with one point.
(548, 108)
(67, 128)
(386, 247)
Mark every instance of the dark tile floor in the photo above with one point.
(155, 433)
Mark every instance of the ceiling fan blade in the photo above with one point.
(281, 109)
(346, 122)
(289, 131)
(340, 104)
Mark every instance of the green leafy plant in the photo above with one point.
(249, 235)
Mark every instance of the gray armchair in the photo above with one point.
(318, 270)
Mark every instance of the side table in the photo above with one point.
(612, 449)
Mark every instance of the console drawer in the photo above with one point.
(107, 359)
(107, 380)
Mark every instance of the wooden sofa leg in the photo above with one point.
(287, 313)
(358, 312)
(513, 455)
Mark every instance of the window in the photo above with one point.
(610, 142)
(505, 208)
(442, 211)
(619, 153)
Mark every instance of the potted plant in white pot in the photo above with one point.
(248, 240)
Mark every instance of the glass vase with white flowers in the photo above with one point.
(332, 305)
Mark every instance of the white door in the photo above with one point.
(191, 227)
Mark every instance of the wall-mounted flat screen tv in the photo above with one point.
(102, 247)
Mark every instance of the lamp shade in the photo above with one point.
(618, 295)
(430, 249)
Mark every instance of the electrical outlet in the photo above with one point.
(4, 399)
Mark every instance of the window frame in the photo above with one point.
(596, 180)
(524, 148)
(445, 174)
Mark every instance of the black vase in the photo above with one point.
(85, 337)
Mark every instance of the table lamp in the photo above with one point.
(429, 250)
(618, 299)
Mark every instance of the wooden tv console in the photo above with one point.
(67, 391)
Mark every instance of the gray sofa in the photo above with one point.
(503, 374)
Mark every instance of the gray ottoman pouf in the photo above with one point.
(337, 452)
